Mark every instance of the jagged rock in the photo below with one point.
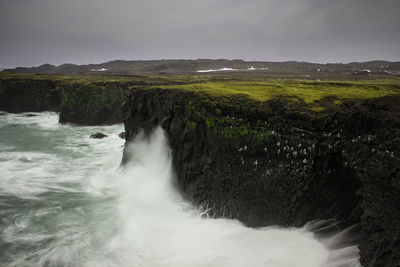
(83, 103)
(122, 135)
(27, 95)
(324, 167)
(98, 135)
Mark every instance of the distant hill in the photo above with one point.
(175, 66)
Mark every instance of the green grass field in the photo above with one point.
(311, 92)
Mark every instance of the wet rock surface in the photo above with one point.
(93, 103)
(270, 164)
(98, 135)
(31, 95)
(122, 135)
(85, 103)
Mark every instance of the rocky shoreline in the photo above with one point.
(77, 102)
(264, 163)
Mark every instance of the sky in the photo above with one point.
(34, 32)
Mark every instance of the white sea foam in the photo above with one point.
(71, 206)
(156, 224)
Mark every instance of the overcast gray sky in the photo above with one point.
(34, 32)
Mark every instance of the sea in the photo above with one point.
(65, 200)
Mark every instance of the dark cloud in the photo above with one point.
(87, 31)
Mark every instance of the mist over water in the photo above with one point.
(64, 201)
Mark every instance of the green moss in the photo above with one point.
(132, 81)
(191, 107)
(241, 133)
(89, 101)
(210, 122)
(297, 90)
(296, 93)
(235, 131)
(317, 108)
(191, 125)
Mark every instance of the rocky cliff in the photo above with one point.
(23, 95)
(269, 164)
(93, 103)
(81, 102)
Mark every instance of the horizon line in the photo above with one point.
(192, 59)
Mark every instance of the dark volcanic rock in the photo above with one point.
(87, 103)
(98, 135)
(265, 164)
(122, 135)
(26, 95)
(92, 103)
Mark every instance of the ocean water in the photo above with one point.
(65, 201)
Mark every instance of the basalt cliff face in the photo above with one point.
(87, 103)
(17, 95)
(267, 164)
(92, 103)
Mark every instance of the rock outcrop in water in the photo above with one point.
(98, 135)
(267, 164)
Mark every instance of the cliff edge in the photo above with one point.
(265, 163)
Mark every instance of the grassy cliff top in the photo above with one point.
(314, 93)
(61, 78)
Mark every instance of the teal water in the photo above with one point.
(65, 201)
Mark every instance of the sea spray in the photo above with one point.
(81, 210)
(158, 226)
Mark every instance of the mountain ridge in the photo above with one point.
(190, 66)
